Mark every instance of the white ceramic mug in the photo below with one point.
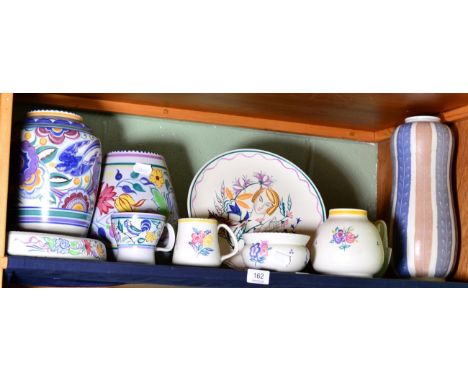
(197, 243)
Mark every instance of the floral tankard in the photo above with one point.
(197, 243)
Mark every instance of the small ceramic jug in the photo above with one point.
(349, 244)
(197, 243)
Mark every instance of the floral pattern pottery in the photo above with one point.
(133, 181)
(197, 243)
(56, 246)
(255, 191)
(349, 244)
(343, 237)
(201, 241)
(59, 173)
(283, 252)
(137, 235)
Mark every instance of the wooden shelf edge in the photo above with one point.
(3, 262)
(102, 105)
(6, 110)
(383, 135)
(108, 106)
(455, 115)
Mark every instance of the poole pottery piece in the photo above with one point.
(137, 235)
(59, 176)
(57, 246)
(423, 227)
(349, 244)
(133, 181)
(197, 243)
(284, 252)
(255, 191)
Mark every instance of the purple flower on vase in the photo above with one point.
(29, 161)
(339, 237)
(343, 237)
(259, 252)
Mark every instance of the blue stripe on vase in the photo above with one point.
(444, 221)
(402, 159)
(51, 220)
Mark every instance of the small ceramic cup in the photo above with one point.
(197, 243)
(138, 233)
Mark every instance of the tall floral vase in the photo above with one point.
(133, 181)
(423, 223)
(59, 173)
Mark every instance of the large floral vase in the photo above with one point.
(423, 224)
(59, 176)
(133, 181)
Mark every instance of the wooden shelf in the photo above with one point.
(360, 117)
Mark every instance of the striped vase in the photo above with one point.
(423, 222)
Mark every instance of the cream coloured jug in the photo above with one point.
(349, 244)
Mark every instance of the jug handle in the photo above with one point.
(235, 250)
(382, 228)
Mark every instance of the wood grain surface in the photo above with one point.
(356, 111)
(360, 116)
(208, 117)
(460, 129)
(6, 109)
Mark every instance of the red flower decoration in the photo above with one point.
(87, 245)
(57, 135)
(350, 238)
(76, 201)
(107, 194)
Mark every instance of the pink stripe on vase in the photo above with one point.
(423, 209)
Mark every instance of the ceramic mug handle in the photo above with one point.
(233, 240)
(170, 240)
(382, 228)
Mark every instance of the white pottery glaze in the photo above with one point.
(349, 244)
(277, 251)
(197, 243)
(255, 191)
(57, 246)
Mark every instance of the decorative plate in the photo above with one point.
(58, 246)
(255, 191)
